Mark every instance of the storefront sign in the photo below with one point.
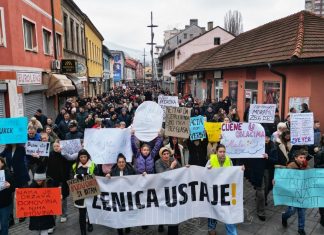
(69, 66)
(27, 78)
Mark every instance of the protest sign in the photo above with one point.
(167, 101)
(39, 147)
(302, 128)
(13, 130)
(2, 179)
(243, 140)
(69, 147)
(105, 144)
(148, 121)
(87, 187)
(299, 188)
(296, 102)
(214, 131)
(38, 202)
(177, 122)
(262, 113)
(159, 199)
(197, 130)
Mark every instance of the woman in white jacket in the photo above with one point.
(176, 150)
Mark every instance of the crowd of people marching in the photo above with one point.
(116, 109)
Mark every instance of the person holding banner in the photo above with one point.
(216, 161)
(319, 163)
(5, 198)
(83, 166)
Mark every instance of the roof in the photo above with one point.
(298, 36)
(93, 27)
(106, 51)
(131, 63)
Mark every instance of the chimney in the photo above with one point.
(210, 25)
(193, 22)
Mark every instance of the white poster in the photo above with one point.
(262, 113)
(169, 198)
(148, 121)
(39, 147)
(105, 144)
(301, 128)
(296, 102)
(2, 179)
(243, 140)
(70, 147)
(167, 101)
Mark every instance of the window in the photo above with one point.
(29, 35)
(72, 35)
(191, 35)
(233, 90)
(82, 42)
(216, 41)
(58, 45)
(2, 29)
(66, 34)
(185, 36)
(47, 42)
(271, 93)
(77, 38)
(218, 89)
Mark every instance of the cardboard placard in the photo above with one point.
(214, 131)
(177, 122)
(87, 187)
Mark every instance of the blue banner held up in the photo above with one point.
(13, 130)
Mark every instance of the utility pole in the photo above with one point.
(152, 43)
(144, 55)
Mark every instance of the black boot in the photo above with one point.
(83, 232)
(90, 227)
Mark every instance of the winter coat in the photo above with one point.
(58, 170)
(41, 222)
(125, 118)
(73, 135)
(129, 170)
(63, 129)
(183, 163)
(161, 166)
(145, 164)
(198, 154)
(283, 157)
(319, 159)
(81, 117)
(6, 194)
(17, 163)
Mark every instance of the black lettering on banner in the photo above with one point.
(151, 197)
(105, 203)
(138, 200)
(183, 193)
(203, 192)
(94, 203)
(120, 202)
(174, 196)
(224, 194)
(193, 190)
(215, 195)
(130, 201)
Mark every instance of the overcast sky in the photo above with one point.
(125, 22)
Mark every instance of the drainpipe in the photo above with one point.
(284, 81)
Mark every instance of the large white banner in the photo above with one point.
(243, 140)
(301, 128)
(169, 198)
(148, 121)
(262, 113)
(105, 144)
(167, 101)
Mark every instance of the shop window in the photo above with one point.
(2, 29)
(271, 93)
(47, 42)
(30, 42)
(233, 91)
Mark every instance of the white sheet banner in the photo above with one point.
(105, 144)
(301, 128)
(167, 101)
(243, 140)
(169, 198)
(39, 147)
(148, 121)
(262, 113)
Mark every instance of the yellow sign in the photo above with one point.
(214, 131)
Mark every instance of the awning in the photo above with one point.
(77, 83)
(59, 83)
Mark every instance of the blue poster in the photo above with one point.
(13, 130)
(299, 188)
(197, 130)
(117, 68)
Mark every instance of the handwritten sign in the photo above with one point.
(299, 188)
(69, 147)
(13, 130)
(148, 121)
(38, 202)
(2, 179)
(262, 113)
(197, 130)
(243, 140)
(167, 101)
(214, 131)
(177, 122)
(105, 144)
(39, 147)
(87, 187)
(301, 128)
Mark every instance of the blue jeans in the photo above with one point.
(301, 215)
(4, 219)
(230, 228)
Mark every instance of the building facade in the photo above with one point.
(130, 70)
(107, 68)
(118, 67)
(315, 6)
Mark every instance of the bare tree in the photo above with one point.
(233, 22)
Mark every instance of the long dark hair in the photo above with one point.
(82, 152)
(4, 163)
(175, 147)
(120, 155)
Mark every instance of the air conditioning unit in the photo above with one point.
(56, 65)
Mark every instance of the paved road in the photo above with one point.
(251, 225)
